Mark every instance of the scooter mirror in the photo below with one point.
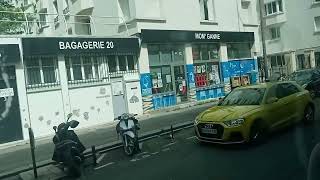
(74, 123)
(69, 115)
(55, 128)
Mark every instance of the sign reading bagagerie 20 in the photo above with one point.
(75, 46)
(86, 45)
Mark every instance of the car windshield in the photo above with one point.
(249, 96)
(302, 77)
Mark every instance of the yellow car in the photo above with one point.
(247, 114)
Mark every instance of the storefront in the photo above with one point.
(10, 120)
(184, 66)
(96, 79)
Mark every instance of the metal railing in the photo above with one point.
(32, 24)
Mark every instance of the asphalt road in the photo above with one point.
(19, 156)
(284, 156)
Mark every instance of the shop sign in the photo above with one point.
(6, 92)
(74, 46)
(175, 36)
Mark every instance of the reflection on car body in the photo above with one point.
(248, 113)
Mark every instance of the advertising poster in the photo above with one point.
(10, 120)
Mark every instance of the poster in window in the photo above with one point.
(215, 73)
(155, 83)
(159, 75)
(117, 88)
(160, 84)
(203, 67)
(168, 78)
(198, 69)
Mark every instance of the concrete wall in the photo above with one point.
(298, 31)
(92, 105)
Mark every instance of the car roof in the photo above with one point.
(266, 85)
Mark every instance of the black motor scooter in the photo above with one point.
(68, 149)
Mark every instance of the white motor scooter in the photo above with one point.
(128, 128)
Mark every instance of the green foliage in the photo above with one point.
(11, 23)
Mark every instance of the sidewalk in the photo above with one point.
(18, 156)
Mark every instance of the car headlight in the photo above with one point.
(234, 123)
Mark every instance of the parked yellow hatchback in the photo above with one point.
(247, 114)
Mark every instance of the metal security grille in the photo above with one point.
(41, 72)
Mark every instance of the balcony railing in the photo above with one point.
(108, 25)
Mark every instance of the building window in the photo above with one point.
(300, 61)
(239, 50)
(273, 7)
(275, 32)
(124, 9)
(206, 10)
(317, 23)
(43, 18)
(317, 58)
(278, 64)
(41, 72)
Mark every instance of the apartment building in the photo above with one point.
(292, 35)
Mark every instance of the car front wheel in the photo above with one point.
(257, 133)
(308, 116)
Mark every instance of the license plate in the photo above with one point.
(209, 131)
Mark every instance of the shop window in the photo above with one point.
(207, 74)
(112, 64)
(178, 53)
(165, 54)
(239, 50)
(122, 63)
(41, 72)
(87, 67)
(205, 52)
(161, 79)
(154, 54)
(131, 63)
(84, 69)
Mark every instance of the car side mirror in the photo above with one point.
(55, 128)
(74, 123)
(272, 100)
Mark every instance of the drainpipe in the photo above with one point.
(262, 27)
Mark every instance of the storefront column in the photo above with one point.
(293, 61)
(312, 59)
(23, 100)
(145, 79)
(223, 61)
(190, 73)
(64, 85)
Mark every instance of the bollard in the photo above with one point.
(32, 147)
(171, 135)
(94, 155)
